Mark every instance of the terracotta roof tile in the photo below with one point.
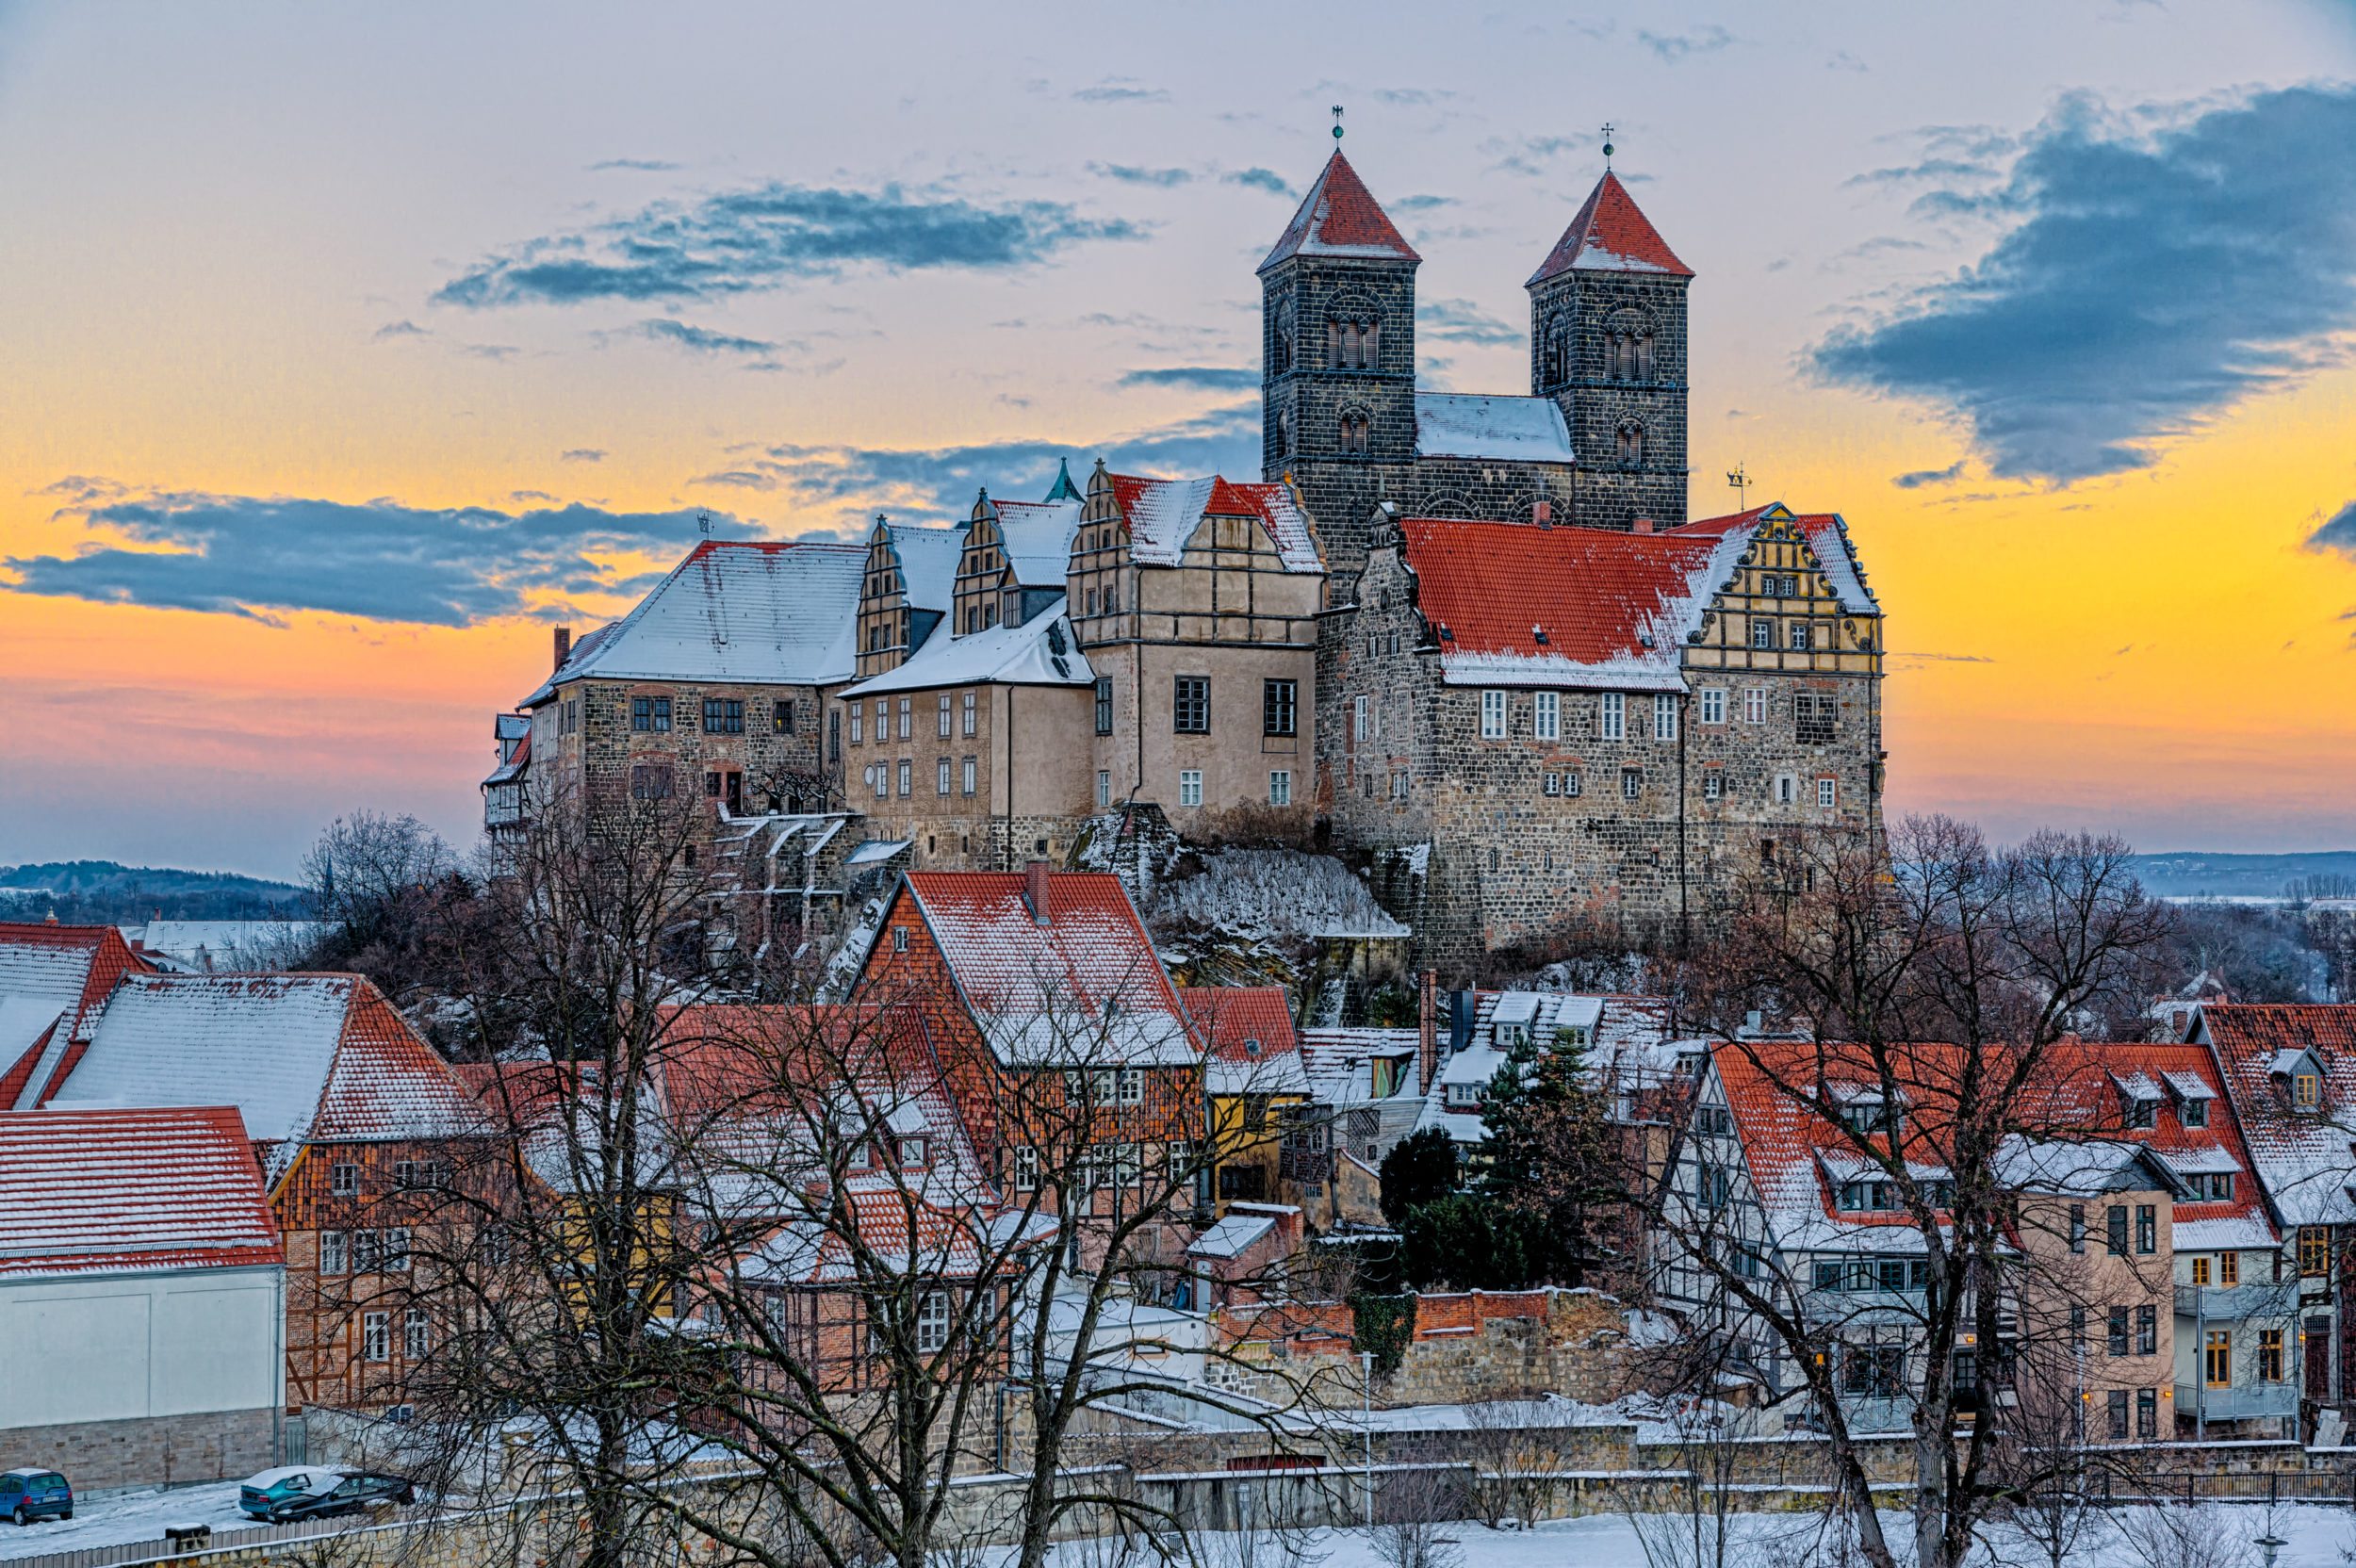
(2306, 1158)
(93, 1190)
(1609, 234)
(1341, 218)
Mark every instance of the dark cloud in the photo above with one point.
(2150, 282)
(652, 166)
(1461, 321)
(1121, 89)
(238, 555)
(583, 454)
(1131, 174)
(738, 241)
(1211, 378)
(401, 328)
(1260, 179)
(1673, 47)
(1921, 477)
(2337, 534)
(702, 341)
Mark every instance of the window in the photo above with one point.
(2270, 1355)
(2222, 1185)
(906, 705)
(2116, 1400)
(723, 716)
(899, 938)
(1813, 718)
(1665, 717)
(941, 771)
(970, 706)
(1104, 1085)
(641, 712)
(395, 1251)
(2147, 1331)
(1190, 787)
(2196, 1112)
(1612, 715)
(2145, 1113)
(1799, 636)
(2147, 1228)
(2147, 1413)
(883, 721)
(711, 785)
(343, 1179)
(414, 1337)
(1132, 1087)
(365, 1252)
(1755, 705)
(2306, 1090)
(1280, 787)
(1762, 633)
(2117, 1339)
(334, 1259)
(2115, 1231)
(1787, 789)
(1398, 786)
(1632, 442)
(1553, 784)
(932, 1322)
(966, 770)
(1876, 1371)
(1545, 716)
(2314, 1251)
(1358, 719)
(1713, 783)
(1104, 705)
(2077, 1227)
(2200, 1272)
(1190, 705)
(2228, 1270)
(1103, 789)
(376, 1335)
(1713, 704)
(1350, 439)
(781, 716)
(2077, 1328)
(1026, 1168)
(1828, 793)
(834, 736)
(1570, 784)
(907, 777)
(1276, 707)
(1632, 783)
(858, 723)
(1493, 715)
(1712, 1186)
(911, 1152)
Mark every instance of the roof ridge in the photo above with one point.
(1340, 217)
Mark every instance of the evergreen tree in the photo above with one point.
(1419, 1169)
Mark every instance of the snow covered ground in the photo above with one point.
(132, 1516)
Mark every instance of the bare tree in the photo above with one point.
(2187, 1535)
(1417, 1511)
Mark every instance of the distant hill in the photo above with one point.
(103, 893)
(2200, 875)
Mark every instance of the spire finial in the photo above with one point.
(1338, 124)
(1607, 147)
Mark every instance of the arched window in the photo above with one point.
(1632, 442)
(1353, 341)
(1281, 352)
(1354, 427)
(1643, 356)
(1551, 368)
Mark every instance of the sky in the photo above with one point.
(346, 351)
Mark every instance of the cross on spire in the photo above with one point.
(1607, 144)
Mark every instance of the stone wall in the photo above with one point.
(162, 1450)
(1583, 308)
(1483, 1345)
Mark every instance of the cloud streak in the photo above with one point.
(740, 241)
(2339, 533)
(1212, 378)
(2150, 282)
(1461, 321)
(662, 329)
(261, 558)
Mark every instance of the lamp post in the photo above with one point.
(1366, 1364)
(2269, 1543)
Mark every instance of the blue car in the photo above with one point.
(314, 1491)
(31, 1493)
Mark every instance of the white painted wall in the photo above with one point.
(122, 1347)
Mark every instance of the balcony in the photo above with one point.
(2238, 1303)
(2241, 1402)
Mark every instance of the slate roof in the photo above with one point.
(1009, 654)
(1162, 517)
(751, 611)
(2304, 1157)
(1497, 429)
(304, 1058)
(97, 1191)
(1609, 234)
(1039, 992)
(1341, 218)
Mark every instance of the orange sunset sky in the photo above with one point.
(345, 353)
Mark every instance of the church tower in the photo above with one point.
(1337, 358)
(1607, 342)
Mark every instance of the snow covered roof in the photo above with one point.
(1508, 429)
(1341, 218)
(304, 1058)
(1249, 1044)
(1609, 234)
(2210, 1235)
(735, 610)
(203, 946)
(1036, 538)
(1162, 517)
(54, 983)
(2190, 1086)
(2301, 1156)
(1339, 1062)
(1239, 1228)
(2136, 1086)
(1037, 652)
(2070, 1168)
(928, 562)
(91, 1191)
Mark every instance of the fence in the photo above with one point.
(2211, 1486)
(169, 1550)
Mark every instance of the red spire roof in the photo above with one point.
(1609, 234)
(1341, 218)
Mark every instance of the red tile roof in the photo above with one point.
(1609, 234)
(1230, 1015)
(95, 1190)
(1162, 515)
(2303, 1157)
(1341, 218)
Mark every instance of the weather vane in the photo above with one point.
(1337, 121)
(1607, 143)
(1740, 481)
(703, 522)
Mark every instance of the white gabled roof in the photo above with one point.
(1010, 655)
(736, 610)
(928, 560)
(1505, 430)
(1163, 516)
(1037, 536)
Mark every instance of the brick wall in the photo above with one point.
(161, 1450)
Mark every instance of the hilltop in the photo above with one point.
(106, 892)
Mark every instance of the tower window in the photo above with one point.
(1632, 442)
(1353, 434)
(1353, 345)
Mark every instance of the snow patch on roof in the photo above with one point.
(1037, 537)
(1011, 654)
(94, 1190)
(1164, 515)
(1511, 430)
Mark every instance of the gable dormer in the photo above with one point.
(1791, 598)
(2297, 1077)
(1100, 592)
(983, 574)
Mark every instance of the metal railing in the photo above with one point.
(2211, 1486)
(2238, 1403)
(166, 1550)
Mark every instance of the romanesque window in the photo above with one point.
(1553, 365)
(1628, 354)
(1352, 343)
(1281, 352)
(1351, 441)
(1631, 435)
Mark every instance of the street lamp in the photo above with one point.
(2269, 1543)
(1366, 1364)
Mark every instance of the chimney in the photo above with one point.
(1542, 513)
(1462, 1008)
(563, 646)
(1035, 889)
(1644, 524)
(1428, 1022)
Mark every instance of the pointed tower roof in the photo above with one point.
(1609, 234)
(1341, 218)
(1063, 490)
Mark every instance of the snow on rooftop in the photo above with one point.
(91, 1190)
(1164, 516)
(928, 563)
(1012, 654)
(1036, 538)
(1232, 1236)
(1476, 425)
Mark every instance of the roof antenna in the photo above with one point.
(703, 522)
(1607, 147)
(1338, 125)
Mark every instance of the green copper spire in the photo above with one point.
(1065, 490)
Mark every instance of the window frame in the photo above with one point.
(1104, 705)
(1190, 787)
(1280, 787)
(1496, 709)
(1713, 704)
(1611, 716)
(1545, 716)
(1279, 708)
(1190, 705)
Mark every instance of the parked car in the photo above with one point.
(33, 1493)
(315, 1490)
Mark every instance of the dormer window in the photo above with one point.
(1867, 1118)
(912, 1153)
(1463, 1095)
(1510, 1034)
(2142, 1113)
(2306, 1090)
(1252, 1049)
(1866, 1196)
